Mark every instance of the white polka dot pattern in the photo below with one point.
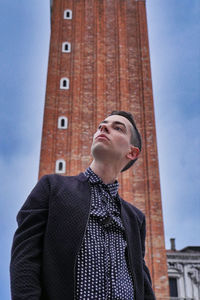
(102, 270)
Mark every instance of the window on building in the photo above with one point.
(66, 47)
(62, 122)
(60, 166)
(64, 83)
(68, 14)
(173, 287)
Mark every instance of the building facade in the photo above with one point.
(99, 62)
(184, 273)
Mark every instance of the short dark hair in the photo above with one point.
(135, 135)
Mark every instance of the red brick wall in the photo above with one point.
(108, 68)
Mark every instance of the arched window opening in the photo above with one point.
(68, 14)
(60, 166)
(64, 83)
(62, 122)
(66, 47)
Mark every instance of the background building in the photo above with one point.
(184, 272)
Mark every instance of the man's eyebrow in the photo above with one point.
(103, 122)
(119, 123)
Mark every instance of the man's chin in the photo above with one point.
(100, 150)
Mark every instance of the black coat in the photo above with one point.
(51, 227)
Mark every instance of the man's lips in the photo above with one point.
(102, 136)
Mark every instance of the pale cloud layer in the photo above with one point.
(174, 28)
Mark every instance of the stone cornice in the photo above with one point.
(184, 256)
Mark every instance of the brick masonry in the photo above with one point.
(108, 68)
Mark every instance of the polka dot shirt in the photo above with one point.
(102, 270)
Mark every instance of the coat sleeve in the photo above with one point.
(26, 253)
(148, 290)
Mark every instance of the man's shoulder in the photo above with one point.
(56, 178)
(55, 182)
(132, 209)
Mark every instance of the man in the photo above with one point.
(77, 239)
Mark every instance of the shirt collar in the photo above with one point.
(95, 179)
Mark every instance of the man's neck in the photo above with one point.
(107, 173)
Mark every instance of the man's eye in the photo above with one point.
(99, 127)
(118, 128)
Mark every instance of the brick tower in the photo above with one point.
(98, 62)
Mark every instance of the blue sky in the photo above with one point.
(174, 30)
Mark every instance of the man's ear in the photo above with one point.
(133, 152)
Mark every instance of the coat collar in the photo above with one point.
(81, 177)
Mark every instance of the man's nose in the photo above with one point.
(104, 127)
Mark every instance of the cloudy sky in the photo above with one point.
(174, 30)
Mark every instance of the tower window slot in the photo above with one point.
(66, 47)
(60, 166)
(68, 14)
(64, 83)
(62, 122)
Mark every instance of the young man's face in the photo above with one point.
(112, 138)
